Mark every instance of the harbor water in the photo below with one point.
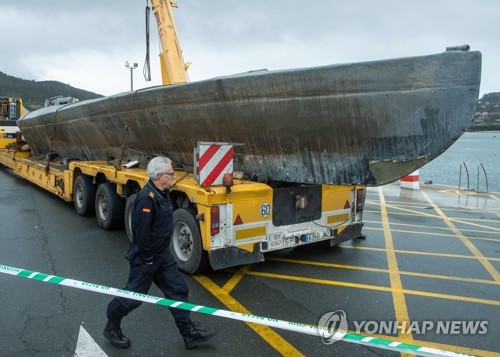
(473, 149)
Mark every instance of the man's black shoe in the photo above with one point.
(194, 336)
(113, 333)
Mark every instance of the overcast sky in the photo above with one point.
(86, 43)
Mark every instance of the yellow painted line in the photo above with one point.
(447, 277)
(420, 253)
(398, 296)
(377, 270)
(466, 221)
(398, 203)
(424, 205)
(494, 197)
(431, 227)
(319, 281)
(469, 222)
(482, 259)
(266, 333)
(410, 212)
(372, 287)
(463, 192)
(235, 279)
(452, 297)
(327, 265)
(431, 234)
(244, 269)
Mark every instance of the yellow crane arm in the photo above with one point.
(173, 68)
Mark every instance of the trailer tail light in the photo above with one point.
(214, 220)
(360, 199)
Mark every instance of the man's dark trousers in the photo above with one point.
(166, 276)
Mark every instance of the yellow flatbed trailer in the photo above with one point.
(214, 225)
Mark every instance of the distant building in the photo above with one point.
(60, 100)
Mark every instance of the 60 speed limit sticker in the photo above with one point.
(265, 210)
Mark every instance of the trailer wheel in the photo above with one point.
(129, 210)
(84, 196)
(186, 244)
(108, 207)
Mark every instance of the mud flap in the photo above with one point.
(231, 256)
(351, 232)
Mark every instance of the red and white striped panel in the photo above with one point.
(215, 160)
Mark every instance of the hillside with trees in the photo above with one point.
(33, 93)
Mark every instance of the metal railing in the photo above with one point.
(485, 176)
(480, 165)
(460, 178)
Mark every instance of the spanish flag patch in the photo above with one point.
(147, 210)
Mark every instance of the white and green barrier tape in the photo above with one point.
(281, 324)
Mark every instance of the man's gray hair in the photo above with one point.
(157, 165)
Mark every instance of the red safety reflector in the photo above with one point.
(347, 204)
(214, 220)
(238, 220)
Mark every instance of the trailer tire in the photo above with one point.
(84, 196)
(129, 210)
(108, 207)
(186, 245)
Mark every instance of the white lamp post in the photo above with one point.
(132, 67)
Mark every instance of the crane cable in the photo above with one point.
(147, 65)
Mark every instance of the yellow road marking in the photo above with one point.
(372, 287)
(266, 333)
(432, 234)
(214, 289)
(431, 227)
(417, 213)
(398, 296)
(326, 265)
(494, 197)
(460, 209)
(399, 203)
(420, 253)
(482, 259)
(235, 279)
(410, 212)
(377, 270)
(475, 224)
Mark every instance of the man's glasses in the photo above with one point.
(167, 173)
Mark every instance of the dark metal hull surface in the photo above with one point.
(365, 123)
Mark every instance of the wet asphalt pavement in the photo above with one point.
(446, 272)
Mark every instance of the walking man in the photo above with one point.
(151, 261)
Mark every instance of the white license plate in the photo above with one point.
(311, 237)
(288, 241)
(274, 241)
